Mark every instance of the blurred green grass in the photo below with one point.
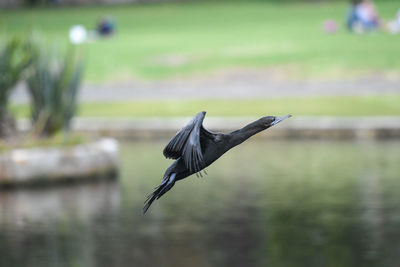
(316, 106)
(156, 41)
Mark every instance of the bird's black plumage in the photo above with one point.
(194, 148)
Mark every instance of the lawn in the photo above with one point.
(317, 106)
(156, 41)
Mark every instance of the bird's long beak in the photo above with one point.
(279, 119)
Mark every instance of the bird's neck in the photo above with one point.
(241, 135)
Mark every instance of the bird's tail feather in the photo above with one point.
(166, 184)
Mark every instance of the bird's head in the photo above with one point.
(269, 121)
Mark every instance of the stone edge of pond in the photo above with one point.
(295, 127)
(47, 165)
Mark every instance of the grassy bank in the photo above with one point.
(165, 40)
(317, 106)
(32, 142)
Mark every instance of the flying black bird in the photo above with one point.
(194, 148)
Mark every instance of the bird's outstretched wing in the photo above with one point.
(186, 144)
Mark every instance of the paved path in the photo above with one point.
(233, 85)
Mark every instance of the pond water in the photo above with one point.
(265, 203)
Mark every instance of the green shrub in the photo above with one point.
(14, 59)
(53, 87)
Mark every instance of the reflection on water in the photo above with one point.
(266, 203)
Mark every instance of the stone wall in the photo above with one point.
(53, 164)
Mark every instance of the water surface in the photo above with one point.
(265, 203)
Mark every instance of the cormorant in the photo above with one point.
(194, 148)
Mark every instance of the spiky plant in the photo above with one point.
(14, 59)
(53, 87)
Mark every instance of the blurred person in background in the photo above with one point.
(106, 26)
(363, 16)
(368, 15)
(351, 15)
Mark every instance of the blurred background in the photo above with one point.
(320, 189)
